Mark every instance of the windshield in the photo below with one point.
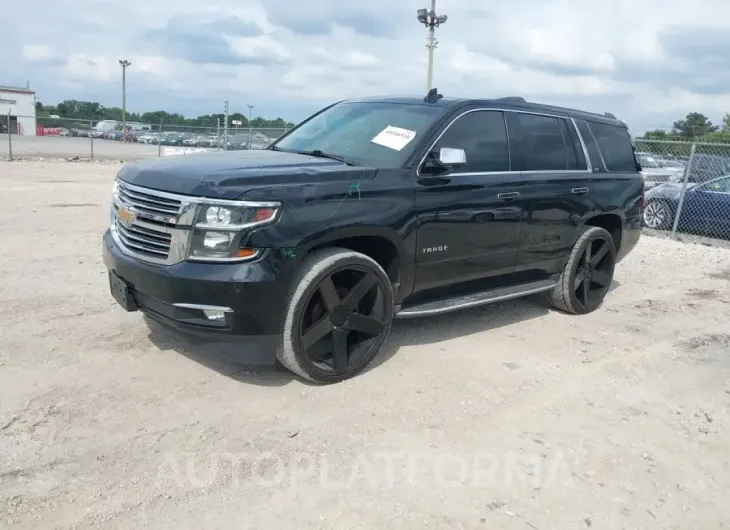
(647, 161)
(365, 133)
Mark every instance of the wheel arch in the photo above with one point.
(382, 244)
(613, 223)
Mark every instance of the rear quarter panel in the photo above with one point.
(619, 194)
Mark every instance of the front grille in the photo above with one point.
(154, 226)
(147, 202)
(145, 241)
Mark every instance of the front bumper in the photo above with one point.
(254, 294)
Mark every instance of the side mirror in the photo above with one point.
(441, 163)
(452, 157)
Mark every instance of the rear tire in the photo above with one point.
(588, 275)
(339, 314)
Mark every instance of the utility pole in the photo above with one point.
(225, 126)
(124, 63)
(431, 20)
(250, 108)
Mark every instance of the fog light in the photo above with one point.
(214, 314)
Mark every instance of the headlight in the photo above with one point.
(219, 229)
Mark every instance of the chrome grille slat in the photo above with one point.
(145, 241)
(148, 202)
(134, 198)
(144, 249)
(152, 198)
(146, 208)
(152, 234)
(143, 205)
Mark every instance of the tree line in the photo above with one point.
(694, 127)
(93, 111)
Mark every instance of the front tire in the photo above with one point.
(339, 315)
(588, 275)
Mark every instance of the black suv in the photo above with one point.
(371, 210)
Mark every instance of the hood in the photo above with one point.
(227, 175)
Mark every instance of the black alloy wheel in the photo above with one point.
(595, 272)
(342, 317)
(340, 313)
(588, 275)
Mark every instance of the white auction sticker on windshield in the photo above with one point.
(394, 137)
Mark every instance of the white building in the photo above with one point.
(20, 104)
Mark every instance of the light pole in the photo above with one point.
(431, 20)
(250, 108)
(225, 126)
(124, 64)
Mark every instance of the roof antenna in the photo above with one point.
(433, 96)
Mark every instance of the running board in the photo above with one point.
(446, 305)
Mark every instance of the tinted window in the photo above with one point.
(615, 145)
(483, 136)
(542, 141)
(573, 148)
(571, 156)
(590, 144)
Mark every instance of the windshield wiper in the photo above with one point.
(317, 153)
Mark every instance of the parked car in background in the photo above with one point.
(172, 138)
(706, 167)
(191, 141)
(148, 138)
(706, 207)
(655, 172)
(237, 142)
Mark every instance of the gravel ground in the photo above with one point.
(510, 416)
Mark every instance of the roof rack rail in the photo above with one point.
(609, 115)
(516, 99)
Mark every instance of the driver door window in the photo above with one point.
(718, 186)
(483, 136)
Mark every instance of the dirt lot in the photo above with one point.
(511, 416)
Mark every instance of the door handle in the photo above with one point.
(579, 191)
(508, 196)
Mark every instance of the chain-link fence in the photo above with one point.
(57, 137)
(688, 187)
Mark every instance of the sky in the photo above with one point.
(650, 62)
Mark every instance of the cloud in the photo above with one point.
(208, 41)
(36, 52)
(318, 18)
(649, 62)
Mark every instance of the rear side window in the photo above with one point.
(542, 143)
(483, 135)
(573, 150)
(615, 145)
